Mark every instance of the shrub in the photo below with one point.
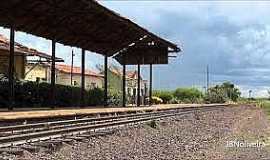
(175, 101)
(33, 94)
(95, 97)
(187, 94)
(231, 92)
(114, 98)
(68, 96)
(222, 93)
(215, 95)
(166, 96)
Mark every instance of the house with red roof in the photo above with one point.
(33, 65)
(65, 72)
(23, 56)
(132, 80)
(115, 82)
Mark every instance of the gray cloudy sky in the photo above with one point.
(232, 37)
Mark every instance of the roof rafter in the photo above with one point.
(81, 23)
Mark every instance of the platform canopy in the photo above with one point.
(143, 55)
(146, 52)
(81, 23)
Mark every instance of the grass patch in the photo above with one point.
(265, 104)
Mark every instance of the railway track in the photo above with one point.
(61, 131)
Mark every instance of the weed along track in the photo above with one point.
(24, 137)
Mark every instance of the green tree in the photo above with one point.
(231, 92)
(215, 94)
(222, 93)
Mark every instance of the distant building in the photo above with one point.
(115, 83)
(132, 87)
(22, 53)
(42, 72)
(132, 81)
(38, 72)
(63, 75)
(92, 79)
(33, 65)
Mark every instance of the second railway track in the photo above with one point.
(19, 135)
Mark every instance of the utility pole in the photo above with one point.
(71, 73)
(207, 77)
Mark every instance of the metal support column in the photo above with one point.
(150, 85)
(105, 80)
(53, 75)
(124, 81)
(83, 80)
(11, 69)
(139, 86)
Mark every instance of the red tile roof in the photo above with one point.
(115, 71)
(76, 70)
(129, 74)
(132, 74)
(23, 50)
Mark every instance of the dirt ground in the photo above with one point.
(202, 135)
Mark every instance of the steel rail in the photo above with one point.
(54, 123)
(10, 140)
(64, 125)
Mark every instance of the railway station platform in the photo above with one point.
(24, 114)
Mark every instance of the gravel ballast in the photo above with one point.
(201, 135)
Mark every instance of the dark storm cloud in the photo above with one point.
(199, 36)
(172, 22)
(213, 39)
